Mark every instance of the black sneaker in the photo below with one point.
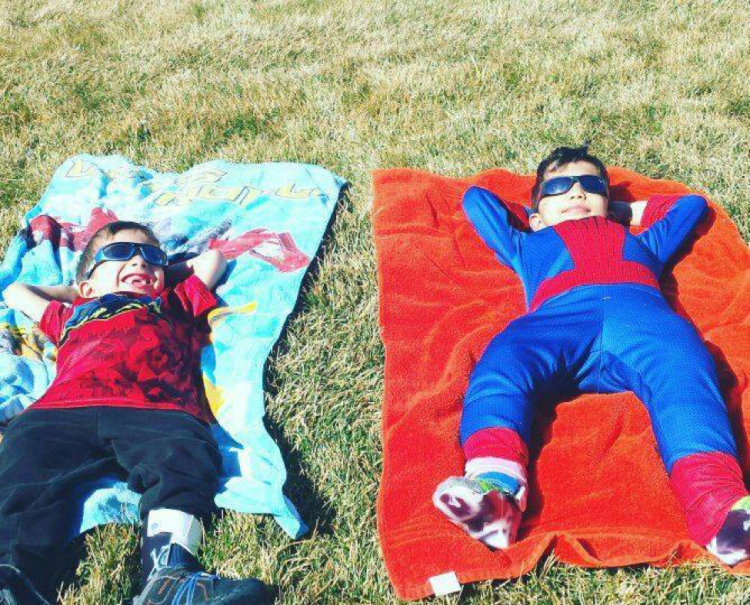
(182, 586)
(16, 589)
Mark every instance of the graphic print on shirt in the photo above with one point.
(107, 307)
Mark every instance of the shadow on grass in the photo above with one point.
(545, 579)
(65, 567)
(315, 510)
(64, 576)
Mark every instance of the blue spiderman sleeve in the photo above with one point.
(492, 220)
(670, 219)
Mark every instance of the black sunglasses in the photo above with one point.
(153, 255)
(563, 184)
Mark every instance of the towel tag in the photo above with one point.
(445, 583)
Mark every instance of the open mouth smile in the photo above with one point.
(139, 280)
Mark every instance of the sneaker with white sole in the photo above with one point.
(732, 544)
(479, 508)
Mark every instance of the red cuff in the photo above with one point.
(707, 485)
(194, 296)
(657, 207)
(497, 443)
(53, 320)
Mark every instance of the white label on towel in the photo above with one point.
(445, 583)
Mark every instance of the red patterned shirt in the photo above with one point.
(128, 351)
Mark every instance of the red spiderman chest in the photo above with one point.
(596, 247)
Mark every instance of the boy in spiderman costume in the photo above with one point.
(597, 322)
(123, 401)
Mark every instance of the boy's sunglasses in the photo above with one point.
(153, 255)
(563, 184)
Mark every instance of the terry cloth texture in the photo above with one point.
(598, 493)
(267, 219)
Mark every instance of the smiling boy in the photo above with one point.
(124, 402)
(597, 323)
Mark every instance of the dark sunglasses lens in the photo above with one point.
(557, 185)
(153, 255)
(593, 184)
(118, 251)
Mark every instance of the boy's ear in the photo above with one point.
(86, 289)
(535, 222)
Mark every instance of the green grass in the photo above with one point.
(451, 87)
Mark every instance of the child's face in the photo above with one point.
(574, 204)
(134, 275)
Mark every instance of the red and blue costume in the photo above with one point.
(598, 323)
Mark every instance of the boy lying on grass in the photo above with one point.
(123, 401)
(597, 323)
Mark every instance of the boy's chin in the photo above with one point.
(579, 217)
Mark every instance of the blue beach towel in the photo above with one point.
(267, 219)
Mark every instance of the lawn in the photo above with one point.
(453, 87)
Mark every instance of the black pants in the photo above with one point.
(48, 457)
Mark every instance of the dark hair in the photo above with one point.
(561, 157)
(102, 236)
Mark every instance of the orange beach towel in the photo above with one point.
(599, 495)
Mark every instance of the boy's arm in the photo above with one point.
(628, 213)
(208, 266)
(490, 218)
(33, 300)
(669, 221)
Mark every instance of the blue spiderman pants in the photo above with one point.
(610, 339)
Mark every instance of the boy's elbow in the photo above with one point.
(696, 200)
(209, 259)
(218, 261)
(476, 193)
(476, 197)
(211, 266)
(698, 204)
(12, 294)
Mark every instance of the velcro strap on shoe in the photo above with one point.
(505, 484)
(184, 529)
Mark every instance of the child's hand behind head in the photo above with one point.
(138, 269)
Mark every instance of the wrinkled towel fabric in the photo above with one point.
(599, 495)
(267, 219)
